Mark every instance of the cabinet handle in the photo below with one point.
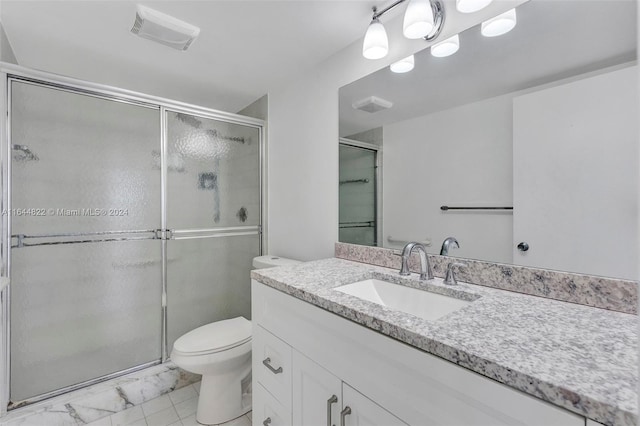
(344, 413)
(330, 402)
(267, 363)
(267, 421)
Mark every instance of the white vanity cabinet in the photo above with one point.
(320, 398)
(317, 394)
(381, 380)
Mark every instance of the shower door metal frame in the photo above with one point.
(9, 73)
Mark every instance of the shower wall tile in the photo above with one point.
(600, 292)
(90, 404)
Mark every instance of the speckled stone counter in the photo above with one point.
(581, 358)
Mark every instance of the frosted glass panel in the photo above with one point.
(208, 279)
(357, 209)
(80, 311)
(213, 175)
(74, 154)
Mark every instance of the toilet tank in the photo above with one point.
(270, 261)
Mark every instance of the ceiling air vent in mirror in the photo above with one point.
(164, 29)
(372, 104)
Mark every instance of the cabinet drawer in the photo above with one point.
(272, 365)
(267, 411)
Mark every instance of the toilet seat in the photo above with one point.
(215, 337)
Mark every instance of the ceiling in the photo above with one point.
(553, 39)
(244, 49)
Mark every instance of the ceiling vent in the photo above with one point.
(164, 29)
(372, 104)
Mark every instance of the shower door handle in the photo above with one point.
(267, 363)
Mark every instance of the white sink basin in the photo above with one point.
(420, 303)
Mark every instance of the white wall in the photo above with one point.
(303, 141)
(258, 109)
(457, 157)
(6, 52)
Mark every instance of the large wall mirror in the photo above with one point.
(524, 147)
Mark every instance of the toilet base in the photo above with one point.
(220, 399)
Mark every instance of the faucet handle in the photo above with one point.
(450, 276)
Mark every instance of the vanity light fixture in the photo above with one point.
(376, 43)
(403, 65)
(499, 25)
(446, 47)
(422, 19)
(470, 6)
(418, 19)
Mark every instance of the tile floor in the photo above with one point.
(177, 408)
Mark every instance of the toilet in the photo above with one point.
(221, 353)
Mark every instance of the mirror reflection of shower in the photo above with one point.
(23, 153)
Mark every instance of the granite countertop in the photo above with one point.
(580, 358)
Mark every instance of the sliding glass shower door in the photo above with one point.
(131, 224)
(358, 201)
(214, 214)
(85, 262)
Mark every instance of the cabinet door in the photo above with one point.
(267, 411)
(364, 412)
(317, 393)
(272, 365)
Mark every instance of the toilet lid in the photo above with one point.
(215, 337)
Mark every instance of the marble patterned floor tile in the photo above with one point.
(141, 422)
(196, 386)
(91, 404)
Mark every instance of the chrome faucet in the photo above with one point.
(446, 244)
(450, 276)
(426, 273)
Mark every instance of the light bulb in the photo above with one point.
(403, 65)
(446, 47)
(470, 6)
(418, 19)
(499, 25)
(376, 43)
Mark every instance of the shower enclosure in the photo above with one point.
(127, 221)
(359, 197)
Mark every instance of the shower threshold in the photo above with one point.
(108, 397)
